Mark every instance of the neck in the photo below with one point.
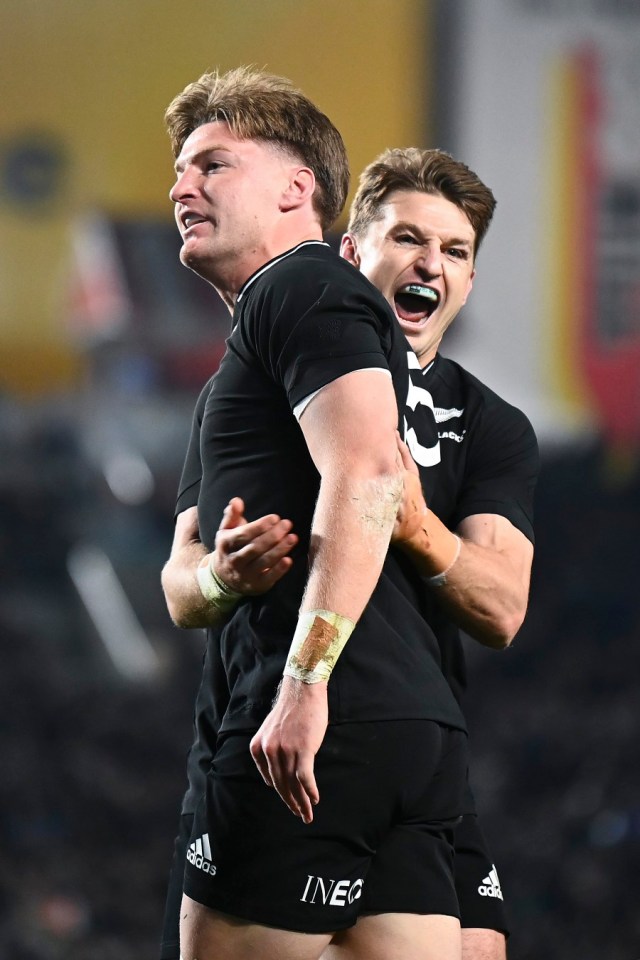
(230, 278)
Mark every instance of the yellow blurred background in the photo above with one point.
(85, 86)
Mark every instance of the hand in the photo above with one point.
(187, 531)
(251, 557)
(285, 746)
(412, 510)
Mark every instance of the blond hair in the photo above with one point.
(264, 107)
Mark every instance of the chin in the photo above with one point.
(412, 330)
(189, 255)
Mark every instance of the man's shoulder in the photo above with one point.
(313, 268)
(456, 377)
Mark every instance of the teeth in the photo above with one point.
(419, 291)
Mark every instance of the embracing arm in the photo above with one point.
(248, 558)
(350, 429)
(185, 603)
(485, 588)
(488, 592)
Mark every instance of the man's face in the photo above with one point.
(227, 198)
(419, 253)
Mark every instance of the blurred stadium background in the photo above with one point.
(105, 341)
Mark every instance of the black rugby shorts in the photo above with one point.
(477, 882)
(481, 903)
(390, 795)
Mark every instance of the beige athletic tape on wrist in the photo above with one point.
(215, 591)
(440, 579)
(317, 643)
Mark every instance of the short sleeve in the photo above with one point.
(308, 332)
(502, 469)
(189, 486)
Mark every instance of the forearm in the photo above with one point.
(350, 536)
(483, 591)
(187, 606)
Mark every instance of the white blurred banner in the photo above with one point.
(548, 114)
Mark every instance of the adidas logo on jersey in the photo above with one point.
(199, 854)
(490, 886)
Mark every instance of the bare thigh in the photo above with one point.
(481, 944)
(398, 936)
(206, 934)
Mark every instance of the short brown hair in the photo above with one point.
(261, 106)
(430, 171)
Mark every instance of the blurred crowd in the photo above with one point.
(555, 722)
(93, 760)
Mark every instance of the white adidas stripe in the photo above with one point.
(201, 847)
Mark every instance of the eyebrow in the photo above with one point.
(414, 228)
(180, 164)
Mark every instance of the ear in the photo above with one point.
(300, 189)
(349, 250)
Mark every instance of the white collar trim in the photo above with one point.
(272, 263)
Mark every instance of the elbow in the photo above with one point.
(182, 617)
(379, 461)
(497, 629)
(178, 617)
(177, 611)
(500, 639)
(388, 478)
(504, 629)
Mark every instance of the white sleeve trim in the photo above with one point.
(300, 408)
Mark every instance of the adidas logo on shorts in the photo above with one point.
(199, 854)
(490, 886)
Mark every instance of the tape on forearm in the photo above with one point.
(319, 640)
(440, 579)
(215, 591)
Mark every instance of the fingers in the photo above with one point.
(233, 515)
(260, 758)
(290, 775)
(268, 539)
(310, 795)
(405, 455)
(257, 579)
(264, 556)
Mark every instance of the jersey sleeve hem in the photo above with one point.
(510, 511)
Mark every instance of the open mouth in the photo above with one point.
(415, 302)
(191, 219)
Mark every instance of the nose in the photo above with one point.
(430, 261)
(185, 186)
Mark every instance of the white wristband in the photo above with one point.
(440, 579)
(317, 643)
(215, 591)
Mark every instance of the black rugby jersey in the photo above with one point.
(478, 454)
(303, 320)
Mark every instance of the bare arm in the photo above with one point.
(350, 429)
(487, 587)
(249, 558)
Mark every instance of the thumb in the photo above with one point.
(233, 514)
